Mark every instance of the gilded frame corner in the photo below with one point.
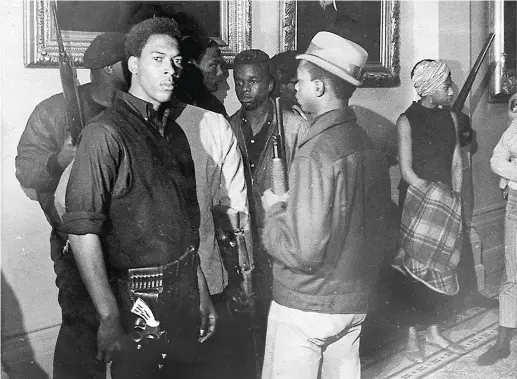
(383, 73)
(41, 49)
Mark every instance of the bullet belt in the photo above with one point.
(147, 282)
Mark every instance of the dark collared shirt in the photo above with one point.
(256, 143)
(134, 187)
(36, 163)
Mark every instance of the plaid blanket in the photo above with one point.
(430, 237)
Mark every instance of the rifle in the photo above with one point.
(231, 228)
(68, 82)
(465, 128)
(278, 171)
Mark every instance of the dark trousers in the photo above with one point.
(231, 353)
(177, 309)
(157, 368)
(76, 346)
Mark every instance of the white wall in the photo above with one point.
(454, 31)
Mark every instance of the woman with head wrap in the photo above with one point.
(429, 157)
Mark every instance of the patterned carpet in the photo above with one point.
(475, 330)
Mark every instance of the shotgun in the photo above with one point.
(232, 230)
(465, 128)
(69, 83)
(278, 167)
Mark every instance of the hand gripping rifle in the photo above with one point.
(70, 90)
(465, 128)
(233, 233)
(278, 170)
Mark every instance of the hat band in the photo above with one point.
(353, 70)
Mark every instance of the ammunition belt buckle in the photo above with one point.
(146, 280)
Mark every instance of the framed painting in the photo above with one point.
(503, 57)
(226, 21)
(372, 24)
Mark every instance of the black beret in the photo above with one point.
(252, 56)
(105, 49)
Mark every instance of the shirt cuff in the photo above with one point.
(80, 223)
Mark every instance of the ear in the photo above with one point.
(132, 64)
(319, 87)
(271, 85)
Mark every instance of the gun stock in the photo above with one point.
(68, 76)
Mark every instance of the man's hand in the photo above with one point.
(269, 198)
(109, 338)
(208, 318)
(67, 153)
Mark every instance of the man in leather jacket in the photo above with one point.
(44, 151)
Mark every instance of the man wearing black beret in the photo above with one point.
(44, 151)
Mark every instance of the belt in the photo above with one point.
(150, 279)
(145, 285)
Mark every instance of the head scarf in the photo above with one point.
(428, 76)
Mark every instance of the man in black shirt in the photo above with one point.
(44, 151)
(133, 219)
(254, 125)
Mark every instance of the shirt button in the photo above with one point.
(252, 141)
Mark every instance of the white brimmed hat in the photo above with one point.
(337, 55)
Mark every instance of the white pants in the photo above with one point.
(310, 345)
(508, 290)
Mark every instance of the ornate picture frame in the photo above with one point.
(384, 70)
(41, 48)
(502, 58)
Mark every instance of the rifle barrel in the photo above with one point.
(68, 82)
(462, 96)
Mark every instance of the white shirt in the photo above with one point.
(219, 181)
(503, 161)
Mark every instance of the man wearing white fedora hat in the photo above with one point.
(327, 234)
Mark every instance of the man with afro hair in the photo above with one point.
(133, 218)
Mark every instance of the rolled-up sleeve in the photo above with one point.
(39, 145)
(92, 181)
(226, 154)
(503, 158)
